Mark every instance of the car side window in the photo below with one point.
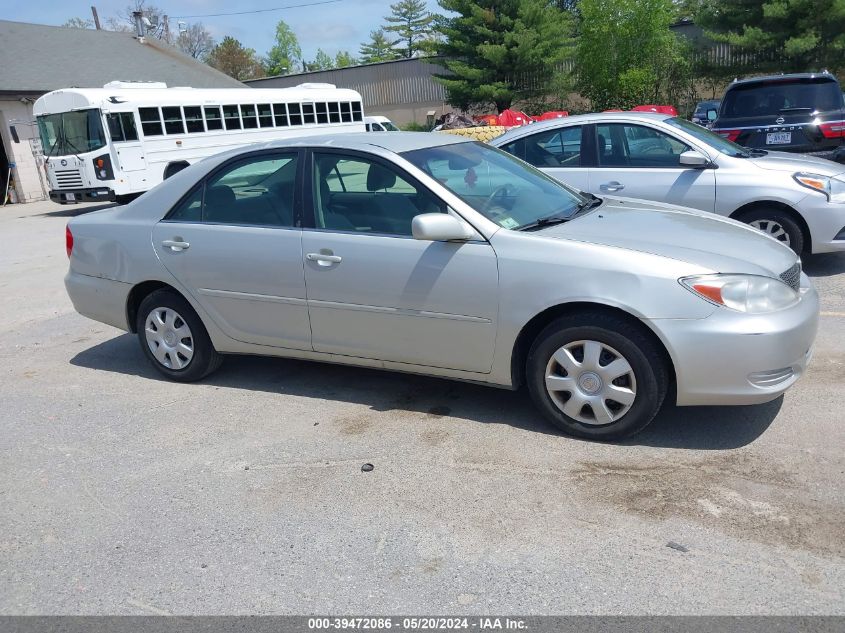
(626, 145)
(366, 196)
(551, 148)
(255, 191)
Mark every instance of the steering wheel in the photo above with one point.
(499, 192)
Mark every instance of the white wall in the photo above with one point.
(30, 182)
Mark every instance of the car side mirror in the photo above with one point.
(712, 115)
(440, 227)
(691, 158)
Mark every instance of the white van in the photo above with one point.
(379, 124)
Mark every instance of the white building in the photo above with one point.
(38, 59)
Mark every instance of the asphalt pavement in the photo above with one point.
(123, 493)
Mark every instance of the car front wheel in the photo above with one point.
(174, 339)
(596, 376)
(777, 224)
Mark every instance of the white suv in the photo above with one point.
(799, 200)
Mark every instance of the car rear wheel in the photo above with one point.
(777, 224)
(596, 376)
(174, 339)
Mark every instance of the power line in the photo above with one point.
(291, 6)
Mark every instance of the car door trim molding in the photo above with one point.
(397, 311)
(250, 296)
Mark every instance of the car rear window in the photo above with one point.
(780, 96)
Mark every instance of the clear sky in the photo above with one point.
(341, 25)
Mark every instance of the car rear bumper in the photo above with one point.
(95, 194)
(103, 300)
(732, 358)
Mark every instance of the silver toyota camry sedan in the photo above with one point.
(436, 255)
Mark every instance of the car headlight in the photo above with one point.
(833, 188)
(752, 294)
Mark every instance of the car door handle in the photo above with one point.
(323, 259)
(175, 245)
(612, 186)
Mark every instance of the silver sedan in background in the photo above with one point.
(436, 255)
(799, 200)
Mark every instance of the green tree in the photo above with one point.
(232, 58)
(322, 60)
(286, 54)
(344, 59)
(778, 35)
(501, 51)
(378, 49)
(411, 22)
(626, 54)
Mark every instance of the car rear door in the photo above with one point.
(558, 151)
(235, 245)
(641, 161)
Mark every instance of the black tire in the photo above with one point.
(173, 168)
(205, 358)
(770, 220)
(126, 199)
(631, 342)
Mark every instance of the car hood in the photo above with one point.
(784, 161)
(706, 240)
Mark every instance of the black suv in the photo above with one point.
(792, 113)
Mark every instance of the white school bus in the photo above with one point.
(115, 142)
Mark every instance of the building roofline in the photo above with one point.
(328, 70)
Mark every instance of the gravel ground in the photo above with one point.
(122, 493)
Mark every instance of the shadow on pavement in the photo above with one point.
(824, 264)
(71, 211)
(701, 428)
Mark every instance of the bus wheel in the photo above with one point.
(174, 168)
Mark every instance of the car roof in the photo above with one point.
(593, 117)
(397, 142)
(788, 76)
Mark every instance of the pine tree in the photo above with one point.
(412, 23)
(501, 51)
(776, 35)
(378, 49)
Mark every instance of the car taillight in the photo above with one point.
(68, 240)
(833, 129)
(731, 135)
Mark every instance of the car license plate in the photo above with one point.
(778, 138)
(70, 196)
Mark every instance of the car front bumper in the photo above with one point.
(732, 358)
(95, 194)
(826, 221)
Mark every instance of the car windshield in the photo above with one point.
(778, 96)
(502, 188)
(712, 139)
(74, 132)
(389, 126)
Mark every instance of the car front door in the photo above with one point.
(558, 152)
(234, 244)
(376, 292)
(639, 161)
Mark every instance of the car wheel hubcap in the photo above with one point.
(773, 229)
(169, 338)
(591, 382)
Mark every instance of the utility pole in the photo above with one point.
(166, 29)
(96, 17)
